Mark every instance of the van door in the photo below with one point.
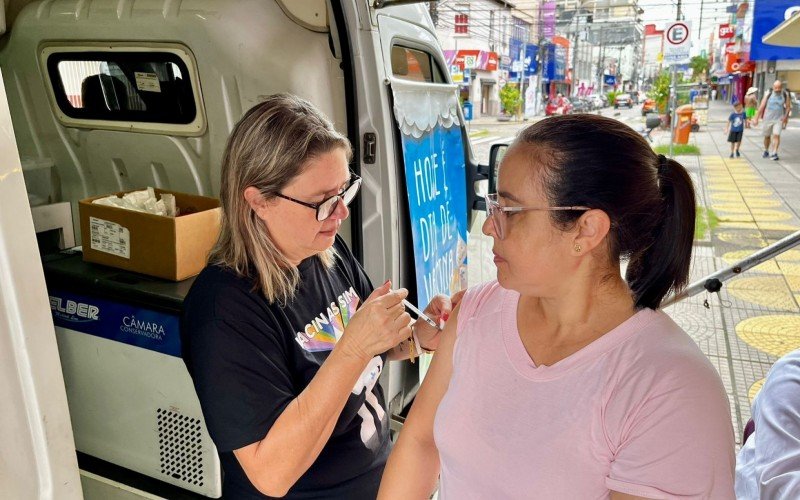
(37, 459)
(396, 60)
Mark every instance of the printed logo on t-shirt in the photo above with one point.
(325, 329)
(321, 334)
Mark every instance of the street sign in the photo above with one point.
(677, 42)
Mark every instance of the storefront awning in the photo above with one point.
(787, 34)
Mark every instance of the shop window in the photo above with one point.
(415, 65)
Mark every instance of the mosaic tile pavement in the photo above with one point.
(754, 319)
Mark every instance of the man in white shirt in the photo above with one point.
(768, 465)
(775, 109)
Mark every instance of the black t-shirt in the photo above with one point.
(250, 358)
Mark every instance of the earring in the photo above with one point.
(577, 247)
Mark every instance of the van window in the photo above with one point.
(415, 65)
(122, 86)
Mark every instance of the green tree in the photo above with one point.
(510, 99)
(659, 92)
(699, 65)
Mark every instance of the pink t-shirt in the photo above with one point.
(640, 411)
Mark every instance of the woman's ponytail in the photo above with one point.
(663, 265)
(596, 161)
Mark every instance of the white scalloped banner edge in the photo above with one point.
(420, 107)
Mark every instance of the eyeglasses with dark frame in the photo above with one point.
(327, 206)
(497, 213)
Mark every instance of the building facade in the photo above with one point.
(487, 45)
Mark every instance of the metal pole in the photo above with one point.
(575, 51)
(540, 56)
(673, 94)
(713, 282)
(600, 67)
(522, 74)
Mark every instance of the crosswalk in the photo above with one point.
(492, 139)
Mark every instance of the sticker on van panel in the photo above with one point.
(109, 237)
(147, 82)
(115, 321)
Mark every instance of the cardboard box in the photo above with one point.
(173, 248)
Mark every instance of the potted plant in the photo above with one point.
(659, 92)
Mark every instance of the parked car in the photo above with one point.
(648, 106)
(579, 105)
(623, 100)
(604, 98)
(558, 106)
(596, 101)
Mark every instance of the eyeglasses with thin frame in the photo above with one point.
(499, 217)
(327, 206)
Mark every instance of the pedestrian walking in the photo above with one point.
(735, 128)
(750, 105)
(775, 108)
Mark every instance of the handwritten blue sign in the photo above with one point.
(435, 174)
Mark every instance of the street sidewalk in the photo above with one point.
(494, 120)
(751, 203)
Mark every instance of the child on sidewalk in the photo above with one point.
(735, 128)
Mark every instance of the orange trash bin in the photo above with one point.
(684, 125)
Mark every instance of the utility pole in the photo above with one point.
(433, 9)
(600, 67)
(538, 95)
(700, 28)
(575, 53)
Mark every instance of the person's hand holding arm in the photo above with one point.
(413, 467)
(439, 310)
(428, 337)
(297, 437)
